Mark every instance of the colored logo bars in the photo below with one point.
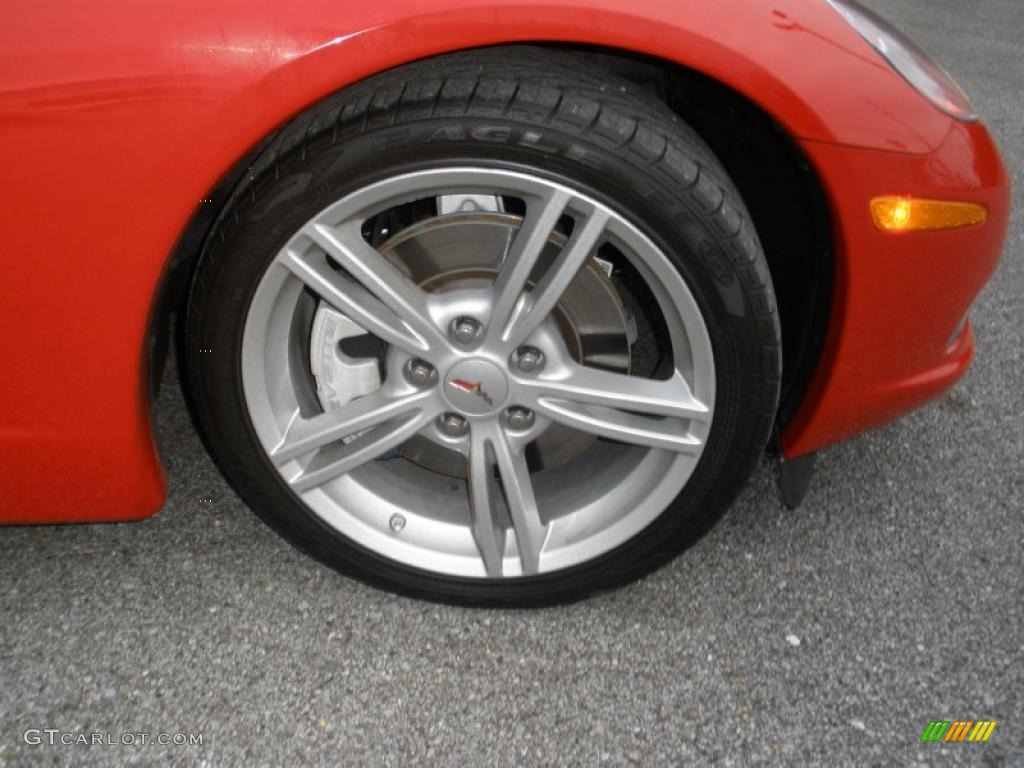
(959, 730)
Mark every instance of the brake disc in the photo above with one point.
(463, 249)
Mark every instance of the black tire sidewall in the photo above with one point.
(305, 183)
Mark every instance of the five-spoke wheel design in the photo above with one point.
(476, 362)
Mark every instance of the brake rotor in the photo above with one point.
(465, 249)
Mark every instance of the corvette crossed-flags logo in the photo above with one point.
(473, 387)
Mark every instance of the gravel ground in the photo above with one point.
(830, 635)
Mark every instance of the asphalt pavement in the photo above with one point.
(827, 636)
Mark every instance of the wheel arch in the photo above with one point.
(793, 222)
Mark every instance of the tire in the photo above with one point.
(524, 115)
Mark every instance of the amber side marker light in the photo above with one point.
(908, 214)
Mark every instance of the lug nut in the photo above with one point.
(419, 373)
(529, 359)
(520, 418)
(454, 425)
(465, 329)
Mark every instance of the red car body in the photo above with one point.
(118, 118)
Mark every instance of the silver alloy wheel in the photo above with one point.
(503, 520)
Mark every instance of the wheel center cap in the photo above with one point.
(476, 387)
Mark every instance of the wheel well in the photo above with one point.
(783, 193)
(172, 293)
(785, 198)
(790, 210)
